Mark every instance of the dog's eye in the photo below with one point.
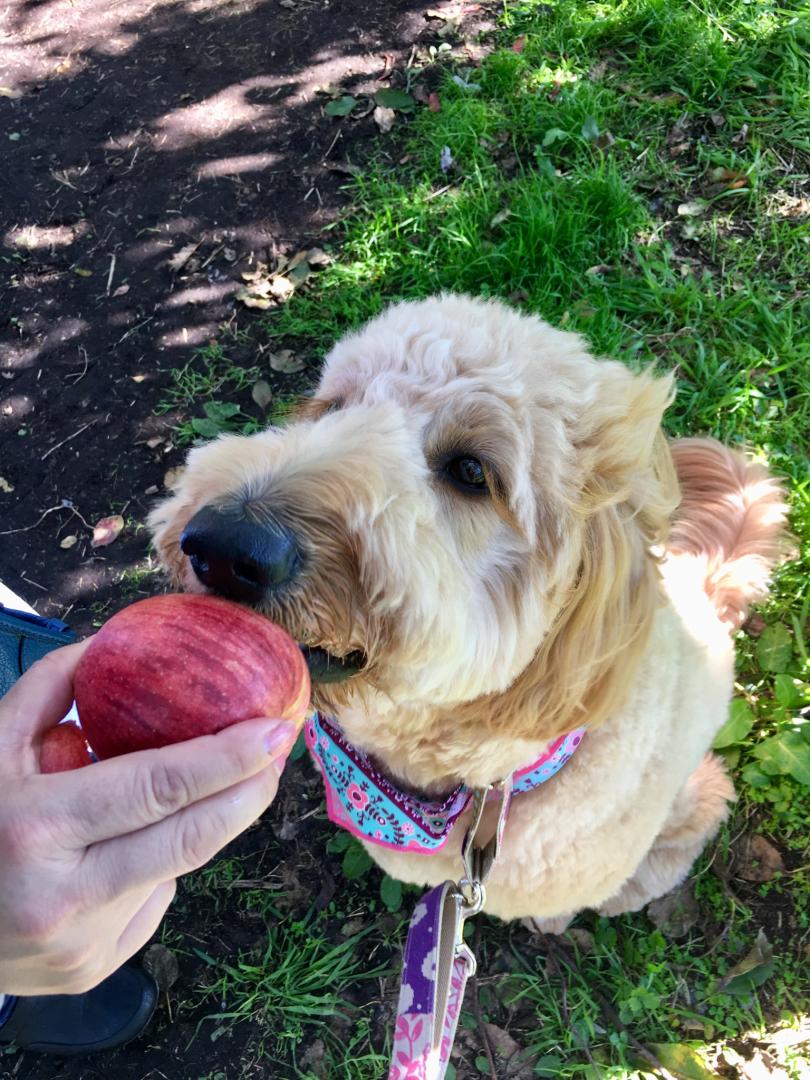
(467, 474)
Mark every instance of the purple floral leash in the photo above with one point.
(437, 961)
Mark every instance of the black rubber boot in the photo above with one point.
(112, 1014)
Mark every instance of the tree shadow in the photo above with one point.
(156, 151)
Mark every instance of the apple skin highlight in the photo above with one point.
(174, 667)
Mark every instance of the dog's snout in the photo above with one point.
(239, 559)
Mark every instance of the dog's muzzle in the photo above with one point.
(240, 559)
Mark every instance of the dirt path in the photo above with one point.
(135, 132)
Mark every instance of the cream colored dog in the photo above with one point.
(485, 527)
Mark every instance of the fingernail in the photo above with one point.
(279, 738)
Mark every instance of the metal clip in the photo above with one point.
(478, 860)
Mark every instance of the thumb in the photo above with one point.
(37, 701)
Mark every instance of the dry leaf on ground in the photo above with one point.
(318, 258)
(261, 393)
(107, 530)
(675, 913)
(756, 859)
(286, 362)
(384, 118)
(162, 965)
(181, 257)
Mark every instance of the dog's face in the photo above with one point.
(467, 487)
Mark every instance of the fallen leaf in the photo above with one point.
(342, 106)
(598, 71)
(683, 1060)
(600, 268)
(583, 939)
(318, 258)
(122, 290)
(6, 486)
(675, 913)
(718, 119)
(446, 159)
(244, 296)
(162, 965)
(391, 98)
(171, 477)
(107, 530)
(330, 89)
(500, 218)
(671, 98)
(753, 970)
(756, 859)
(155, 441)
(181, 257)
(286, 362)
(344, 167)
(298, 274)
(590, 129)
(384, 119)
(434, 104)
(693, 208)
(282, 288)
(312, 1057)
(261, 393)
(754, 625)
(519, 44)
(8, 92)
(68, 542)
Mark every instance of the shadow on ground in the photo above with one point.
(134, 134)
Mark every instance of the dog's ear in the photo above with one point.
(622, 456)
(621, 507)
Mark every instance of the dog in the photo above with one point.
(483, 540)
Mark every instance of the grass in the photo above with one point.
(637, 172)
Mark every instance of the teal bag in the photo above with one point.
(24, 638)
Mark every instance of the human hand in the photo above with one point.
(89, 858)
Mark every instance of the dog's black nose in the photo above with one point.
(239, 559)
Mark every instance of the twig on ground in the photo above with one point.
(84, 427)
(77, 376)
(493, 1071)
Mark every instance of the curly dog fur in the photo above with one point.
(596, 581)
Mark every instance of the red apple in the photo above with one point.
(175, 667)
(63, 747)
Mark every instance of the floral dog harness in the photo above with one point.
(371, 807)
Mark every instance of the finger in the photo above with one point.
(38, 700)
(145, 922)
(179, 844)
(124, 794)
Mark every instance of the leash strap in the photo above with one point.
(437, 962)
(437, 965)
